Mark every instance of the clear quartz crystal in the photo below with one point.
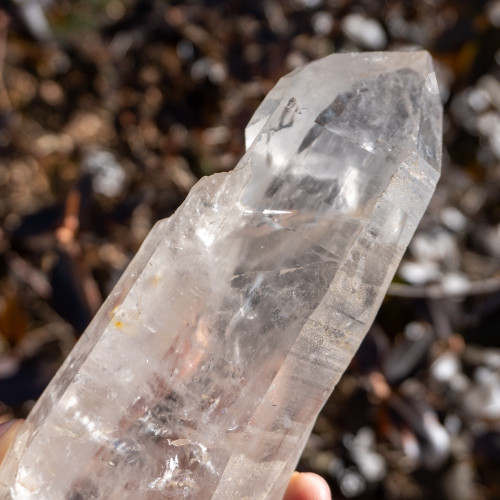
(203, 373)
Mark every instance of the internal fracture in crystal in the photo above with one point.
(203, 373)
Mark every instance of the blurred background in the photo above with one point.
(111, 110)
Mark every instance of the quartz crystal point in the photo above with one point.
(203, 373)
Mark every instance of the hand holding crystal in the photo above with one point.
(203, 373)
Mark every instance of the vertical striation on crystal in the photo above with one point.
(203, 373)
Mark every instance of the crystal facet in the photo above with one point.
(203, 373)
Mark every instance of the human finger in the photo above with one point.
(307, 486)
(8, 431)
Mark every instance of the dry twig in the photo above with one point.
(5, 102)
(438, 291)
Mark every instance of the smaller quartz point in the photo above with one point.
(203, 373)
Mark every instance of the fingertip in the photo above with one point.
(318, 485)
(307, 486)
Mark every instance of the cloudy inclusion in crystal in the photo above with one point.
(203, 373)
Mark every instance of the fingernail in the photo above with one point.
(6, 426)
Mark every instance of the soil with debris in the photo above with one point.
(111, 110)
